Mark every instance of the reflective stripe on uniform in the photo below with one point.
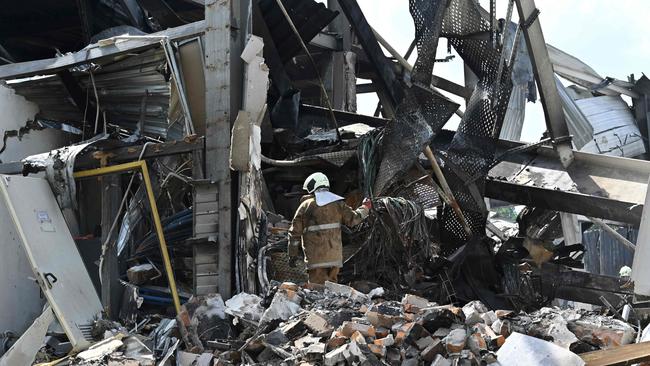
(325, 264)
(295, 243)
(323, 227)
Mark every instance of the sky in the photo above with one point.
(609, 35)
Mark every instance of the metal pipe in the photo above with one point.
(621, 239)
(445, 186)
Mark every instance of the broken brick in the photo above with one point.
(386, 341)
(378, 350)
(456, 340)
(318, 325)
(435, 348)
(348, 328)
(358, 337)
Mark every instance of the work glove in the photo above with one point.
(367, 203)
(293, 262)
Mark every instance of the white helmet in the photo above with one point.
(315, 181)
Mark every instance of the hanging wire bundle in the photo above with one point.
(369, 158)
(397, 244)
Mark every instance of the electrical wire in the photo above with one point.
(92, 79)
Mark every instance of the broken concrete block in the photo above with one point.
(336, 340)
(494, 341)
(305, 341)
(285, 304)
(435, 348)
(289, 286)
(441, 332)
(455, 341)
(346, 291)
(393, 356)
(358, 337)
(521, 349)
(376, 292)
(417, 301)
(410, 362)
(142, 273)
(348, 328)
(99, 350)
(381, 332)
(602, 331)
(472, 311)
(383, 315)
(409, 333)
(424, 342)
(386, 341)
(318, 325)
(502, 327)
(440, 360)
(315, 349)
(489, 317)
(378, 350)
(246, 306)
(293, 328)
(205, 319)
(438, 318)
(335, 356)
(503, 314)
(476, 343)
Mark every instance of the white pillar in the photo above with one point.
(641, 263)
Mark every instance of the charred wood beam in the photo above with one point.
(565, 201)
(585, 287)
(343, 118)
(386, 80)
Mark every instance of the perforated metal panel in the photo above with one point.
(422, 113)
(472, 148)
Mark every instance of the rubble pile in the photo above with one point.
(336, 324)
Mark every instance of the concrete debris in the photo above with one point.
(101, 349)
(245, 306)
(142, 273)
(521, 349)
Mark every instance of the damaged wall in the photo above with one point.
(16, 111)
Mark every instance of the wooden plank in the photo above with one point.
(628, 354)
(95, 53)
(218, 115)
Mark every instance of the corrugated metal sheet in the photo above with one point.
(579, 126)
(121, 86)
(615, 130)
(513, 123)
(605, 255)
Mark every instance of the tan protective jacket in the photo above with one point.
(319, 227)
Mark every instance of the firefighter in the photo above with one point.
(316, 227)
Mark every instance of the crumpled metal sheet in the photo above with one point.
(472, 149)
(59, 170)
(422, 113)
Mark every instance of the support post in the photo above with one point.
(227, 27)
(640, 267)
(544, 75)
(111, 292)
